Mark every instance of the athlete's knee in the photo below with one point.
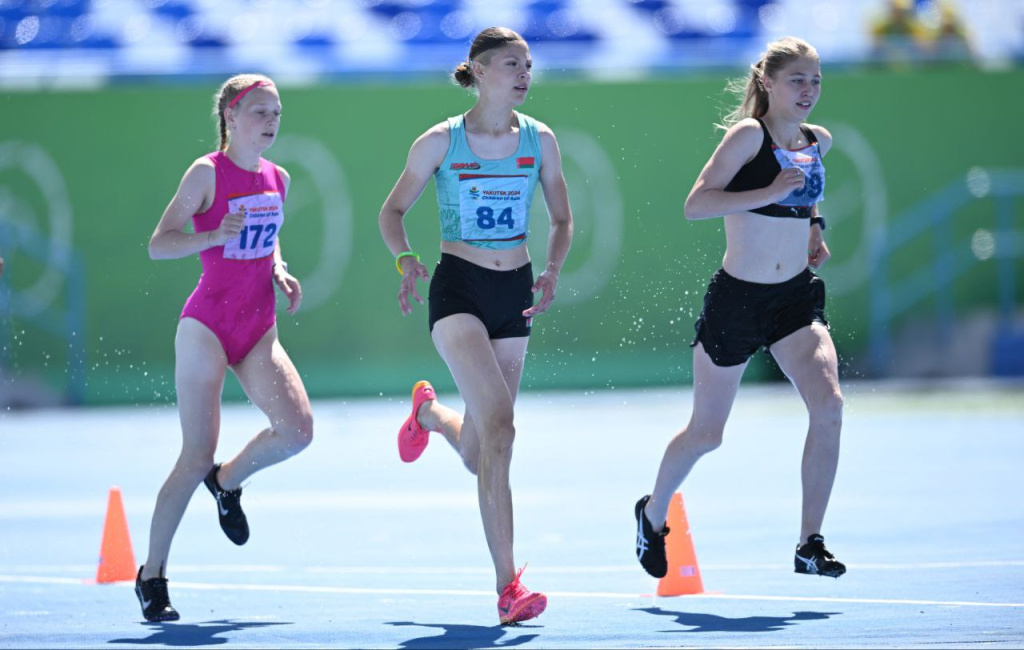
(471, 459)
(702, 439)
(828, 406)
(298, 432)
(194, 465)
(497, 433)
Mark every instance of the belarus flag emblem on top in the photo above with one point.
(524, 163)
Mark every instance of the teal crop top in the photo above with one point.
(486, 203)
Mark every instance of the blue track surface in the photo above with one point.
(352, 548)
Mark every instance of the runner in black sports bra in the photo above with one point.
(772, 159)
(768, 299)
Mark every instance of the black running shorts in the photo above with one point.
(739, 317)
(497, 298)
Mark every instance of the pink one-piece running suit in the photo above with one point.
(235, 294)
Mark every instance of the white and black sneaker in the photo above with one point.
(650, 546)
(156, 604)
(229, 507)
(814, 559)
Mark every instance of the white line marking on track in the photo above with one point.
(87, 569)
(207, 586)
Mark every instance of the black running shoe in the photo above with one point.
(650, 546)
(229, 507)
(814, 559)
(156, 604)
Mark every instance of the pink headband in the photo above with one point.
(239, 96)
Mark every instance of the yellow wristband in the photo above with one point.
(398, 258)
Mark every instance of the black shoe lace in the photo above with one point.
(230, 498)
(819, 549)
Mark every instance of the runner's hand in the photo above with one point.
(788, 180)
(413, 270)
(290, 286)
(545, 283)
(817, 251)
(230, 227)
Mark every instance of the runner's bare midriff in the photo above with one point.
(765, 249)
(496, 260)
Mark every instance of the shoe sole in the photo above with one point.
(834, 573)
(409, 453)
(532, 608)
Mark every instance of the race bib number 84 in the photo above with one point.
(264, 214)
(492, 208)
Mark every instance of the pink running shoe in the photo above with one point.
(412, 438)
(517, 603)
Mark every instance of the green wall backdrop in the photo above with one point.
(94, 170)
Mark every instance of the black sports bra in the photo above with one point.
(765, 167)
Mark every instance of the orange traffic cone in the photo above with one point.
(683, 573)
(117, 562)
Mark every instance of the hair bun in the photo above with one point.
(463, 74)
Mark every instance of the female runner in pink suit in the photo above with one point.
(486, 164)
(235, 199)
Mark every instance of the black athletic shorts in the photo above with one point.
(497, 298)
(739, 317)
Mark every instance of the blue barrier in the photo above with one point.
(935, 215)
(67, 322)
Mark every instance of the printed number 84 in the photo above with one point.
(485, 218)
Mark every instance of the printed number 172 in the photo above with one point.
(258, 230)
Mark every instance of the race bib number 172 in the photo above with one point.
(264, 214)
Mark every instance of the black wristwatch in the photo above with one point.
(820, 220)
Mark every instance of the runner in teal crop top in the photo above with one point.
(486, 164)
(486, 203)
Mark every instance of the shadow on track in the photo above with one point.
(713, 623)
(456, 637)
(193, 635)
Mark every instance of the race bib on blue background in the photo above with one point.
(492, 208)
(264, 215)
